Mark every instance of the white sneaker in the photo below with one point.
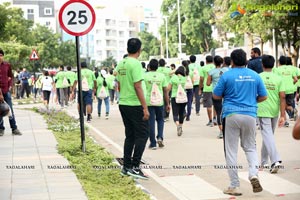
(275, 167)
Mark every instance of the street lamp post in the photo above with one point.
(179, 29)
(167, 46)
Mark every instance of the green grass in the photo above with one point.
(97, 183)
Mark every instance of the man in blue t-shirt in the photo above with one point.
(241, 90)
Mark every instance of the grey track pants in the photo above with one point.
(267, 127)
(241, 127)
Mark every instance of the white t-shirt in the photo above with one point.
(47, 83)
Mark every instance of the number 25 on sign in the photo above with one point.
(77, 17)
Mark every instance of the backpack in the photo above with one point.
(188, 84)
(102, 93)
(65, 82)
(196, 77)
(156, 99)
(85, 84)
(181, 95)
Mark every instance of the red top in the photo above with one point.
(6, 77)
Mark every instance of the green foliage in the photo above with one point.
(109, 62)
(150, 45)
(196, 29)
(95, 169)
(19, 38)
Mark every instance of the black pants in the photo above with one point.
(218, 104)
(178, 110)
(136, 134)
(25, 88)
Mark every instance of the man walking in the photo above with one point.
(6, 78)
(255, 61)
(241, 89)
(133, 108)
(268, 113)
(24, 77)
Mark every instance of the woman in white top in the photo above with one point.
(47, 83)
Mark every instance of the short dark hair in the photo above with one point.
(133, 45)
(238, 57)
(218, 60)
(162, 62)
(268, 61)
(209, 59)
(227, 60)
(202, 63)
(193, 58)
(1, 52)
(83, 64)
(180, 70)
(69, 68)
(143, 64)
(125, 55)
(153, 64)
(282, 60)
(289, 61)
(256, 50)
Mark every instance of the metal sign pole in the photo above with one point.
(80, 95)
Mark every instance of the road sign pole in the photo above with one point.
(77, 18)
(80, 95)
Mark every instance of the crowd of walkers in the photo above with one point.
(240, 96)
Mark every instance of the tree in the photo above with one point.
(67, 53)
(109, 62)
(260, 23)
(47, 43)
(150, 45)
(196, 29)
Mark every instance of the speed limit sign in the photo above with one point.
(77, 17)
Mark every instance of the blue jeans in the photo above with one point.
(189, 93)
(106, 101)
(156, 113)
(12, 121)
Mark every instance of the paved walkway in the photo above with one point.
(30, 167)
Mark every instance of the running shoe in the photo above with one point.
(233, 191)
(137, 173)
(275, 167)
(160, 142)
(255, 184)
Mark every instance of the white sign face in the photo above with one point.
(77, 17)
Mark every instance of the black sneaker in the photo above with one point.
(16, 132)
(89, 118)
(124, 171)
(137, 173)
(1, 132)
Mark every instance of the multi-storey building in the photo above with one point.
(40, 11)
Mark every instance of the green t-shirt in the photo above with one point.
(175, 81)
(298, 74)
(89, 75)
(71, 76)
(59, 77)
(204, 73)
(165, 71)
(154, 77)
(274, 84)
(129, 71)
(287, 73)
(38, 83)
(110, 80)
(99, 85)
(192, 68)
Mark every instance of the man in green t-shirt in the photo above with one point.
(62, 85)
(157, 94)
(71, 77)
(195, 76)
(268, 112)
(289, 77)
(167, 72)
(89, 85)
(133, 108)
(207, 90)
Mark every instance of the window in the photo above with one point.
(30, 11)
(48, 23)
(48, 11)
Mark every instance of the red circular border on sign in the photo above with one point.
(71, 32)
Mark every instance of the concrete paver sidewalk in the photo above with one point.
(31, 167)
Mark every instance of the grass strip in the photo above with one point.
(97, 173)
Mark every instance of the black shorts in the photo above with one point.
(207, 99)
